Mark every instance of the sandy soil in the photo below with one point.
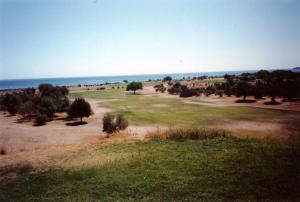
(15, 136)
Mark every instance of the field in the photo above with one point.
(257, 161)
(214, 169)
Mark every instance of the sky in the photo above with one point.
(66, 38)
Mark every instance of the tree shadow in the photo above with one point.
(77, 123)
(38, 125)
(272, 103)
(26, 119)
(131, 93)
(291, 100)
(64, 119)
(245, 101)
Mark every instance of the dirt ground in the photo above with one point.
(17, 136)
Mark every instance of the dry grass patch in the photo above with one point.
(186, 133)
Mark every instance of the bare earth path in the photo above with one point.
(15, 137)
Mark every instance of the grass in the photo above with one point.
(221, 168)
(110, 93)
(142, 110)
(180, 134)
(153, 110)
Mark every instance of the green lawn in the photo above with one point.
(223, 168)
(151, 109)
(141, 110)
(99, 94)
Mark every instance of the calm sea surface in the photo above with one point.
(27, 83)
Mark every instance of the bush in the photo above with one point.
(160, 87)
(47, 106)
(40, 119)
(121, 122)
(27, 109)
(187, 92)
(13, 103)
(176, 88)
(113, 123)
(187, 133)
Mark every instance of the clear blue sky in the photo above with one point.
(62, 38)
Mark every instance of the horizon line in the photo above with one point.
(89, 76)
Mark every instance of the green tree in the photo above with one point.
(134, 86)
(47, 106)
(243, 88)
(167, 79)
(80, 108)
(13, 103)
(27, 109)
(46, 89)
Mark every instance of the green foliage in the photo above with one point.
(259, 89)
(176, 88)
(47, 106)
(134, 86)
(27, 109)
(243, 88)
(40, 119)
(167, 79)
(80, 108)
(53, 91)
(13, 103)
(160, 87)
(108, 125)
(113, 123)
(189, 92)
(121, 122)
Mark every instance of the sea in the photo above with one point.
(73, 81)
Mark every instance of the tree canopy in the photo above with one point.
(80, 108)
(133, 86)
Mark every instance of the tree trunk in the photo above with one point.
(273, 99)
(134, 92)
(244, 98)
(80, 119)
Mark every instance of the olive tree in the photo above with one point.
(80, 108)
(134, 86)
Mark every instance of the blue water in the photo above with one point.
(28, 83)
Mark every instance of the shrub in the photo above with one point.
(13, 103)
(27, 109)
(108, 125)
(186, 133)
(176, 88)
(121, 122)
(187, 92)
(113, 123)
(40, 119)
(80, 108)
(210, 90)
(220, 93)
(47, 106)
(160, 87)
